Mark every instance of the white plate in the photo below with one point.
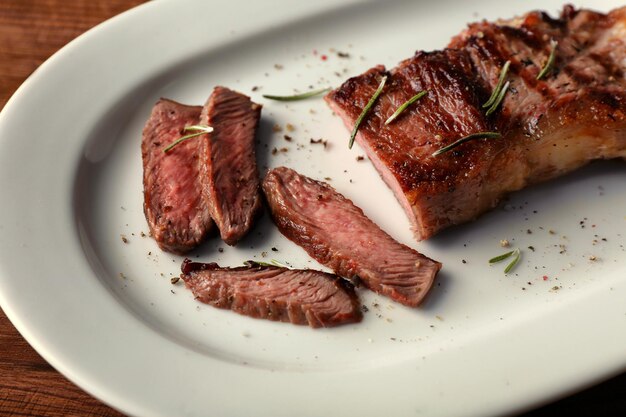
(105, 314)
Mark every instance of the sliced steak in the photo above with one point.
(229, 162)
(290, 295)
(573, 115)
(338, 234)
(175, 208)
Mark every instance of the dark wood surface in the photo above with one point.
(31, 31)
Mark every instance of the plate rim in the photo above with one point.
(604, 369)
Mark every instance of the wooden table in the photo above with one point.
(31, 31)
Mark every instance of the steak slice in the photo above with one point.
(337, 234)
(176, 211)
(549, 127)
(229, 162)
(290, 295)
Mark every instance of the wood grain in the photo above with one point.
(31, 387)
(31, 31)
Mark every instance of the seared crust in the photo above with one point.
(549, 126)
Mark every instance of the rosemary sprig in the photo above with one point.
(500, 258)
(496, 91)
(516, 257)
(273, 262)
(297, 97)
(550, 63)
(479, 135)
(366, 109)
(198, 129)
(499, 99)
(405, 105)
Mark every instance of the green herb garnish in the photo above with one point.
(405, 105)
(500, 258)
(496, 91)
(198, 129)
(516, 257)
(498, 99)
(366, 109)
(297, 97)
(479, 135)
(273, 262)
(550, 63)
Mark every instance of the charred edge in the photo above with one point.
(347, 90)
(346, 284)
(559, 22)
(569, 12)
(188, 266)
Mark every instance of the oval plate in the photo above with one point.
(92, 293)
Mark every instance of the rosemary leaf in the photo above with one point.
(198, 129)
(280, 264)
(405, 105)
(297, 97)
(180, 140)
(479, 135)
(550, 63)
(273, 262)
(516, 257)
(366, 110)
(499, 99)
(496, 91)
(500, 257)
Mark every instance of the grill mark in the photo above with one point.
(447, 68)
(529, 78)
(577, 76)
(492, 48)
(446, 121)
(523, 34)
(555, 23)
(607, 63)
(533, 40)
(487, 48)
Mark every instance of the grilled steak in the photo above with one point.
(229, 162)
(572, 115)
(337, 234)
(279, 294)
(176, 211)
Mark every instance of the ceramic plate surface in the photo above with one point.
(93, 295)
